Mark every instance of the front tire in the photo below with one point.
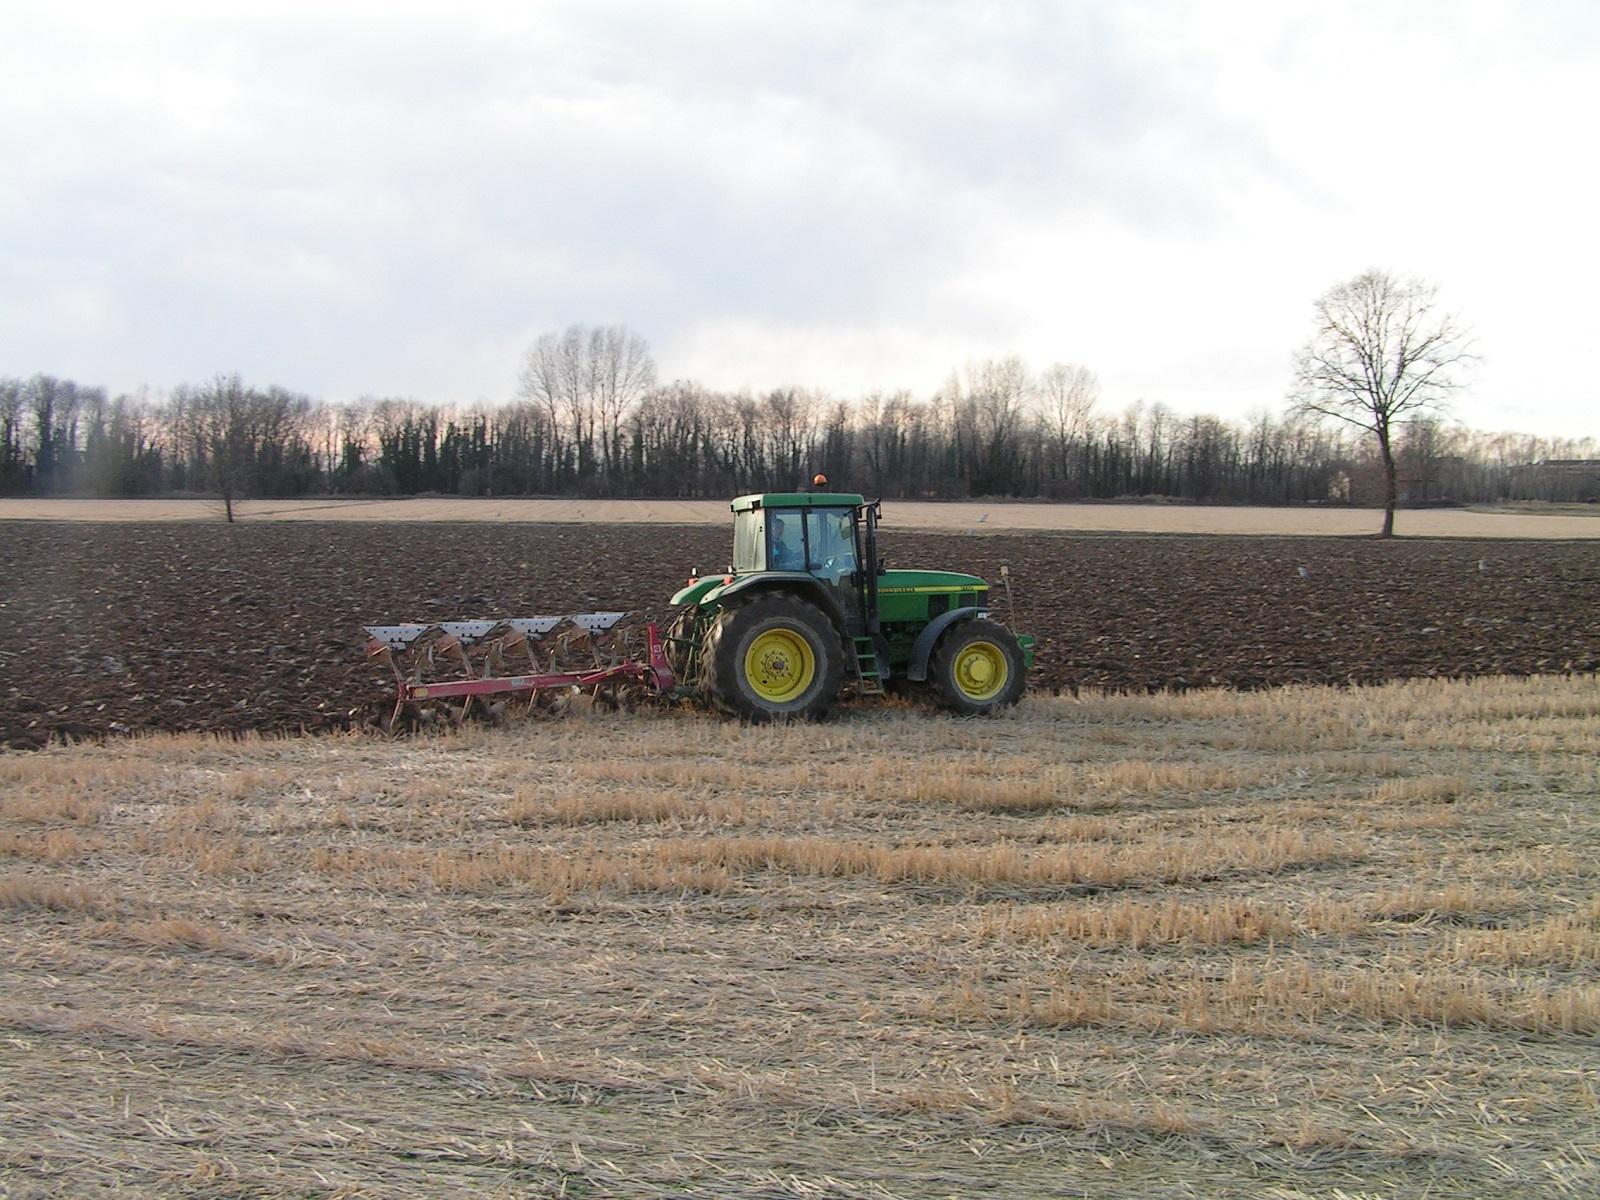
(977, 668)
(776, 656)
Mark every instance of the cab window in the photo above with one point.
(830, 542)
(749, 542)
(786, 545)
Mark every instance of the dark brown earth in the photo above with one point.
(125, 627)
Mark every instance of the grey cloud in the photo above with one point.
(340, 200)
(402, 160)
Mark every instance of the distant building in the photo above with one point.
(1558, 479)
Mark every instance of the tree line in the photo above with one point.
(591, 419)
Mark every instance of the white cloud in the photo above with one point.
(397, 198)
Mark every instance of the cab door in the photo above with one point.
(832, 559)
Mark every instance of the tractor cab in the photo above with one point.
(795, 531)
(829, 537)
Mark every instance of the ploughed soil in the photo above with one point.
(111, 628)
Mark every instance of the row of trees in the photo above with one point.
(994, 429)
(592, 419)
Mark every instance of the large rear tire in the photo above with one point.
(776, 656)
(679, 646)
(977, 668)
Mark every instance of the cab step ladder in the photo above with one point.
(867, 667)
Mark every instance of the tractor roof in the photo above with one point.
(798, 500)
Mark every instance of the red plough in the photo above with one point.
(456, 668)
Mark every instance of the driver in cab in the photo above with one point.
(787, 554)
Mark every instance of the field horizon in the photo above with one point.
(1518, 521)
(1308, 941)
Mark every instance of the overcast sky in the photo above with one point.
(396, 199)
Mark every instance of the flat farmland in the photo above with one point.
(1509, 521)
(122, 627)
(1291, 943)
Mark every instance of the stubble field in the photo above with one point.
(1290, 942)
(1302, 942)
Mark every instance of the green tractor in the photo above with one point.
(808, 608)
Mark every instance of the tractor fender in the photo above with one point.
(922, 648)
(694, 591)
(785, 581)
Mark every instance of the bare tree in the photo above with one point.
(232, 429)
(790, 416)
(542, 387)
(576, 382)
(54, 403)
(1424, 443)
(221, 409)
(1067, 394)
(622, 371)
(1380, 350)
(584, 378)
(989, 402)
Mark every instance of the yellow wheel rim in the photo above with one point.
(780, 665)
(981, 670)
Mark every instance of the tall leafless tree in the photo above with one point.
(211, 420)
(1381, 350)
(542, 386)
(233, 431)
(621, 371)
(989, 403)
(1067, 394)
(585, 381)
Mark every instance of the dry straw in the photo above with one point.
(1267, 943)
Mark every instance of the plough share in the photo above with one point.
(453, 669)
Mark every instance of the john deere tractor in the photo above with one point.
(808, 609)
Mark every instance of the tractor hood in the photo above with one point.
(894, 588)
(916, 596)
(897, 582)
